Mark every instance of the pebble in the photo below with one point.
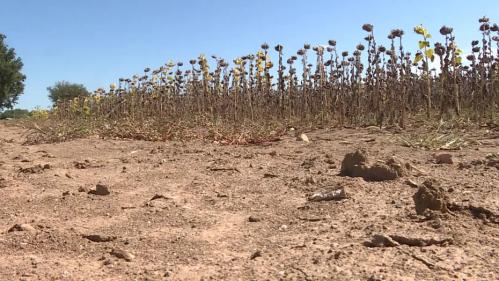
(303, 138)
(99, 238)
(122, 254)
(254, 219)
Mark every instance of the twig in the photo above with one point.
(225, 169)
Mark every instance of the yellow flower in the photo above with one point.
(40, 114)
(420, 30)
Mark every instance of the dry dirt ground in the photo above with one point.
(181, 211)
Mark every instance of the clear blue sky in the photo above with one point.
(94, 42)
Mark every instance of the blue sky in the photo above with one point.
(94, 42)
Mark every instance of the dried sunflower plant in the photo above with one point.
(252, 100)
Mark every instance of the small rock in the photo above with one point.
(101, 189)
(283, 227)
(3, 182)
(37, 169)
(254, 219)
(66, 193)
(82, 165)
(22, 227)
(122, 254)
(99, 238)
(444, 158)
(303, 138)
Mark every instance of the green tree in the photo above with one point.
(14, 113)
(11, 78)
(64, 90)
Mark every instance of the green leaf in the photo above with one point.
(418, 58)
(423, 44)
(429, 53)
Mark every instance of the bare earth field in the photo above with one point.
(202, 211)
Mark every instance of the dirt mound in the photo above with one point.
(356, 164)
(430, 195)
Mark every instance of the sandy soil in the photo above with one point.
(181, 211)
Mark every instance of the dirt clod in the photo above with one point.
(430, 195)
(3, 182)
(122, 254)
(99, 238)
(37, 169)
(254, 219)
(356, 165)
(100, 189)
(444, 158)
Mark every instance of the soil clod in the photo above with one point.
(356, 165)
(99, 238)
(444, 158)
(100, 189)
(430, 195)
(122, 254)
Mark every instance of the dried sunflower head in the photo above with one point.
(446, 30)
(367, 27)
(484, 27)
(397, 32)
(483, 20)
